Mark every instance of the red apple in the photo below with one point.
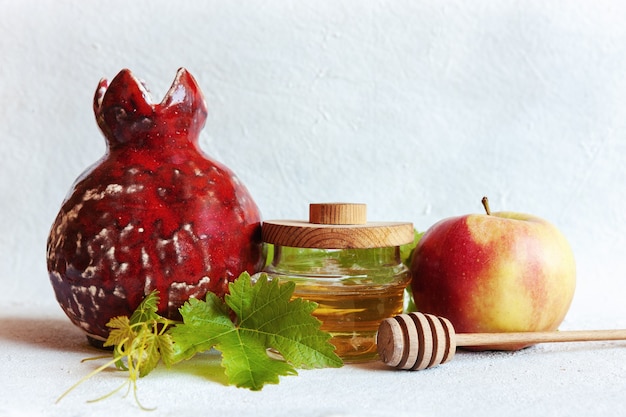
(494, 272)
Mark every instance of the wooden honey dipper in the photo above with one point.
(417, 341)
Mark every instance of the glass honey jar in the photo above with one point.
(350, 267)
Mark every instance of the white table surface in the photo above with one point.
(41, 353)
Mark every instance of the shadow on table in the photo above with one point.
(490, 357)
(205, 365)
(46, 333)
(61, 335)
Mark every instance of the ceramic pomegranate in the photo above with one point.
(154, 213)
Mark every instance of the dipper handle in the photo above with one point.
(418, 341)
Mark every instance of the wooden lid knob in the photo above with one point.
(337, 226)
(338, 213)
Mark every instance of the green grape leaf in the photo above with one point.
(267, 318)
(145, 353)
(246, 362)
(406, 251)
(121, 331)
(204, 322)
(406, 255)
(147, 309)
(272, 334)
(165, 345)
(141, 342)
(266, 312)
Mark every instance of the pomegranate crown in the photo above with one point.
(124, 109)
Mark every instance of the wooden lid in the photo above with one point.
(337, 226)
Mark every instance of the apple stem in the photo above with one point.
(485, 202)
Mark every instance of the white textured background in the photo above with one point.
(417, 108)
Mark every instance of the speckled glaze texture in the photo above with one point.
(153, 214)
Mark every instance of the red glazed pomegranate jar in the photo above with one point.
(153, 214)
